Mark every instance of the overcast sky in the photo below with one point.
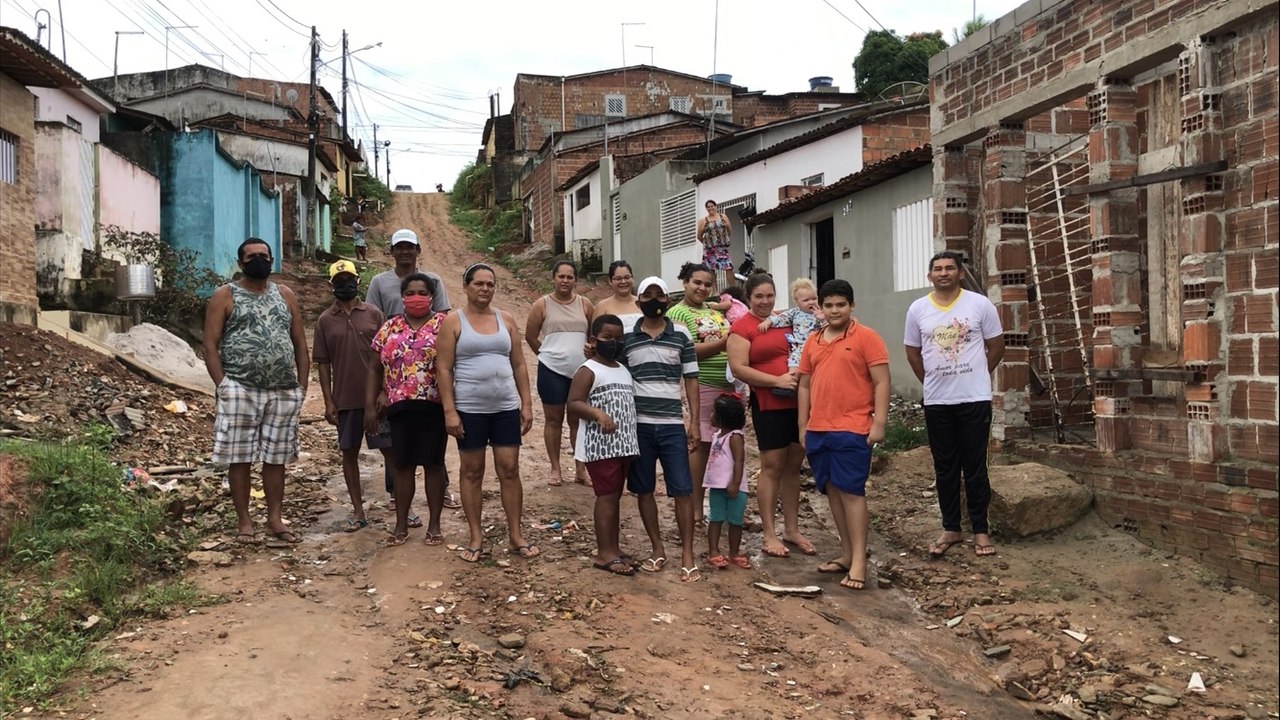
(427, 85)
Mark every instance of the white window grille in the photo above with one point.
(678, 220)
(617, 215)
(8, 158)
(615, 105)
(813, 180)
(681, 104)
(912, 245)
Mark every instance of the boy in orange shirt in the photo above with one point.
(843, 403)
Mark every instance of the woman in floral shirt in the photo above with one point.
(402, 387)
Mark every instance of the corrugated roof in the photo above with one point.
(24, 60)
(868, 176)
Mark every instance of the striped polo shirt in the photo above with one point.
(658, 368)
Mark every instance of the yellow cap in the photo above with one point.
(343, 266)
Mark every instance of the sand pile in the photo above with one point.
(164, 351)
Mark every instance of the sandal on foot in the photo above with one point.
(690, 574)
(940, 548)
(396, 539)
(718, 562)
(452, 502)
(528, 550)
(741, 561)
(653, 565)
(355, 524)
(804, 546)
(852, 583)
(984, 550)
(784, 552)
(283, 539)
(616, 566)
(555, 480)
(474, 553)
(833, 567)
(248, 539)
(414, 521)
(433, 539)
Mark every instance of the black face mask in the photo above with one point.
(609, 349)
(653, 308)
(258, 268)
(346, 289)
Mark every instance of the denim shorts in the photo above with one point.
(482, 430)
(553, 388)
(666, 444)
(842, 459)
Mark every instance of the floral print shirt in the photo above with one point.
(409, 359)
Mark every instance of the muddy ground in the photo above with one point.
(342, 627)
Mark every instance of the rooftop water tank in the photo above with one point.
(821, 81)
(721, 78)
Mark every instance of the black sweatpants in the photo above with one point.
(958, 436)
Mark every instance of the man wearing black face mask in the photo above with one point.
(255, 348)
(342, 353)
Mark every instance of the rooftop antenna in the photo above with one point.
(715, 49)
(41, 26)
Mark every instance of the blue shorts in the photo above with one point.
(840, 458)
(722, 509)
(669, 445)
(482, 430)
(553, 388)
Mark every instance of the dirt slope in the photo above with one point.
(341, 627)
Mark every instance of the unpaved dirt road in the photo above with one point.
(341, 627)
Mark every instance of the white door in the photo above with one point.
(781, 276)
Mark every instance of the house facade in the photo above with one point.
(1115, 185)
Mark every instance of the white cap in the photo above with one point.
(404, 236)
(651, 280)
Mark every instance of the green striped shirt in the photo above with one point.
(658, 368)
(705, 325)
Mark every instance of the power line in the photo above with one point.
(283, 24)
(227, 32)
(846, 17)
(919, 64)
(74, 39)
(282, 12)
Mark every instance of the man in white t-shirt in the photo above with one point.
(954, 342)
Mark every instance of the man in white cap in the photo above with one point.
(662, 360)
(384, 294)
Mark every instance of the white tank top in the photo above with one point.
(564, 332)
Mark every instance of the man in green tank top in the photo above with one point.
(255, 347)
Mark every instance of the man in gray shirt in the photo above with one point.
(384, 288)
(384, 294)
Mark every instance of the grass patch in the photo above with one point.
(900, 437)
(87, 550)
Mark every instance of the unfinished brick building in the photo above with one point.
(1110, 167)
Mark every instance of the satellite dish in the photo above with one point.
(905, 90)
(291, 96)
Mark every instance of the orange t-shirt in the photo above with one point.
(841, 394)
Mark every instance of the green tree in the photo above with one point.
(887, 59)
(970, 27)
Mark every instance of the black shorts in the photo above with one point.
(482, 430)
(553, 388)
(418, 437)
(351, 430)
(775, 429)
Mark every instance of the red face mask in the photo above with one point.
(417, 305)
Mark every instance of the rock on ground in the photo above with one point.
(1031, 498)
(164, 351)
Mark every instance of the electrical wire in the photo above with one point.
(285, 25)
(74, 39)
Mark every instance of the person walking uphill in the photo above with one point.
(954, 342)
(340, 350)
(484, 388)
(255, 348)
(556, 331)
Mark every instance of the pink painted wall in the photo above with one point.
(128, 196)
(54, 105)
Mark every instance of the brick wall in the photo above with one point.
(888, 134)
(17, 219)
(1179, 279)
(756, 109)
(537, 108)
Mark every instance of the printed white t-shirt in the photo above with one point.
(952, 343)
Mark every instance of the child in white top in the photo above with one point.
(803, 318)
(726, 481)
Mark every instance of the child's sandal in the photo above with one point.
(718, 562)
(741, 561)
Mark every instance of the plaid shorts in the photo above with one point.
(256, 425)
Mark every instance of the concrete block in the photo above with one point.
(1031, 498)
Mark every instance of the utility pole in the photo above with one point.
(311, 226)
(376, 173)
(115, 61)
(386, 145)
(344, 106)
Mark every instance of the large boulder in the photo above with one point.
(1031, 498)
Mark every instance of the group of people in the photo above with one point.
(641, 381)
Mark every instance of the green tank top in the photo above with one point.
(256, 348)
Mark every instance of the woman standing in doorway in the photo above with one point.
(622, 302)
(715, 232)
(557, 330)
(484, 388)
(709, 330)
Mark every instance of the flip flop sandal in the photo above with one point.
(692, 574)
(805, 548)
(555, 480)
(718, 562)
(451, 502)
(938, 549)
(630, 560)
(851, 583)
(248, 539)
(355, 524)
(477, 552)
(653, 565)
(414, 521)
(396, 540)
(284, 538)
(741, 561)
(984, 550)
(433, 539)
(833, 567)
(777, 554)
(619, 562)
(528, 550)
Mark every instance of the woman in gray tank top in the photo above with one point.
(484, 387)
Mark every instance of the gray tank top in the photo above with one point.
(482, 378)
(256, 348)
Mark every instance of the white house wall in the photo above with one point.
(54, 105)
(268, 156)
